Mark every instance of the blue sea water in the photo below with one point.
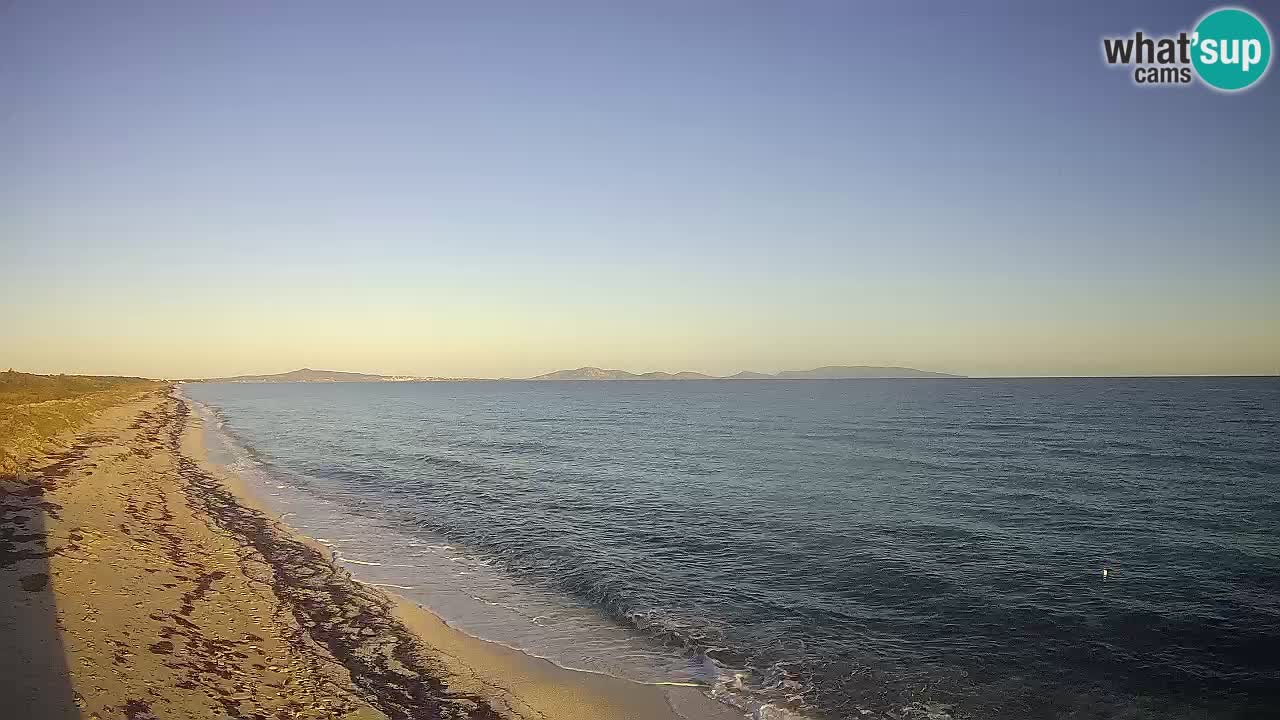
(832, 549)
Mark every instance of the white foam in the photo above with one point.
(452, 580)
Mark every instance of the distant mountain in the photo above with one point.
(588, 373)
(830, 372)
(307, 375)
(845, 372)
(685, 375)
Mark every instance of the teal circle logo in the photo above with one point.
(1231, 49)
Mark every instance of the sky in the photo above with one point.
(507, 188)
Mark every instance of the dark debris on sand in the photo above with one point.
(353, 622)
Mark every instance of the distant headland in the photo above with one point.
(307, 375)
(828, 372)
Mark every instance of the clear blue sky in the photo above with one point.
(508, 188)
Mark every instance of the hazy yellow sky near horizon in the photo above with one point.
(508, 321)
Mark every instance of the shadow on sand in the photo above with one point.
(34, 679)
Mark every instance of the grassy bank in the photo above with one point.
(36, 409)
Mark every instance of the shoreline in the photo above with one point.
(140, 581)
(118, 599)
(539, 684)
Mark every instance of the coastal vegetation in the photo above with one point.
(36, 409)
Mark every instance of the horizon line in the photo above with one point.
(768, 377)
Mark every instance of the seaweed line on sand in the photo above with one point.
(353, 622)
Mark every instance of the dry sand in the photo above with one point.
(138, 581)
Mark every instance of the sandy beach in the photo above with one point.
(139, 581)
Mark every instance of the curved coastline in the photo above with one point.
(506, 680)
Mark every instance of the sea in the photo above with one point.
(911, 548)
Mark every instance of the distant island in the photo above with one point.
(595, 373)
(307, 375)
(829, 372)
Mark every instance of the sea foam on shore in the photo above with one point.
(466, 591)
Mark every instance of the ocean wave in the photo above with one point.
(902, 557)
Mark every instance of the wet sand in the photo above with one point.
(137, 580)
